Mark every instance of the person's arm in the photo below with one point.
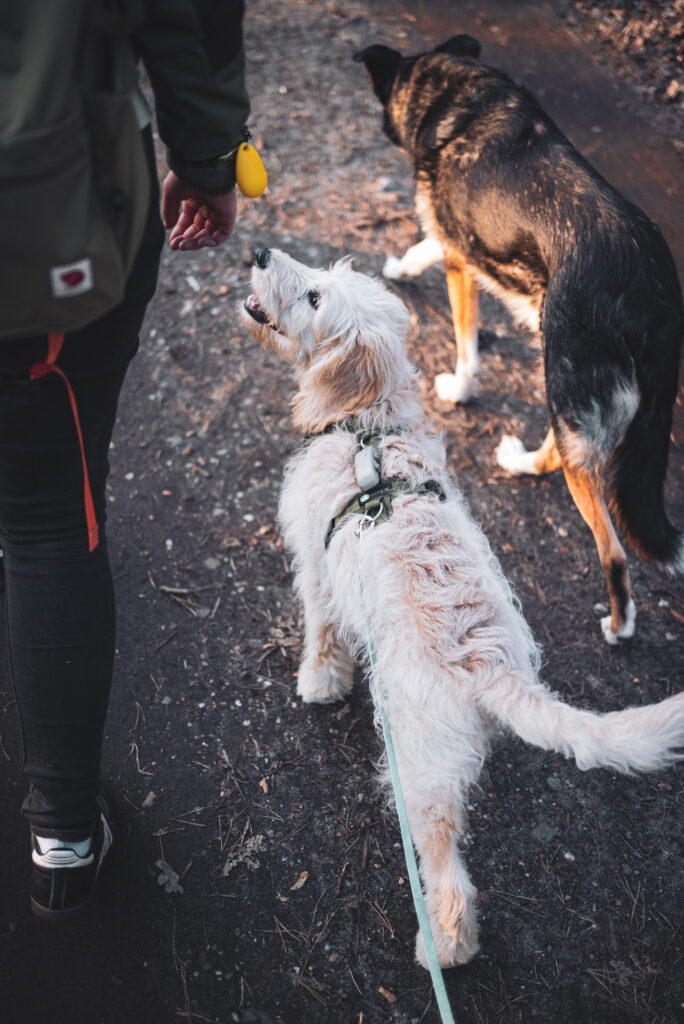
(192, 50)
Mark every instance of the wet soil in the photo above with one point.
(257, 876)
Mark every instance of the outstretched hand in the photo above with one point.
(196, 220)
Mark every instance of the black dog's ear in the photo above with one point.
(382, 64)
(460, 46)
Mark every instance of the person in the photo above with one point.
(59, 594)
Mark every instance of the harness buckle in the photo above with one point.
(368, 521)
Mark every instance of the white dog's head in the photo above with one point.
(343, 331)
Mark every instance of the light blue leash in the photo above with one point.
(409, 852)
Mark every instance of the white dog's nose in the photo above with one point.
(263, 257)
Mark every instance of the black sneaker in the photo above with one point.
(64, 875)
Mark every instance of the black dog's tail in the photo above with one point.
(636, 487)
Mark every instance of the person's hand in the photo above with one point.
(195, 219)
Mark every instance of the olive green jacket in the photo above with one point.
(191, 49)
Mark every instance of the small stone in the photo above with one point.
(211, 563)
(544, 832)
(553, 782)
(673, 90)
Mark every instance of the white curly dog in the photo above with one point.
(455, 657)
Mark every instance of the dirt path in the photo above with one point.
(255, 868)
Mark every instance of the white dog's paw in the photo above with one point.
(627, 630)
(455, 387)
(512, 455)
(392, 269)
(452, 950)
(453, 927)
(323, 684)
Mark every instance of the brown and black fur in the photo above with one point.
(516, 207)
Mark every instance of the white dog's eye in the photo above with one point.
(314, 297)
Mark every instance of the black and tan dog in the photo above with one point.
(508, 203)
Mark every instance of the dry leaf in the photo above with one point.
(264, 785)
(168, 877)
(300, 881)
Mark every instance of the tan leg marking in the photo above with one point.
(512, 455)
(461, 385)
(547, 458)
(587, 493)
(462, 289)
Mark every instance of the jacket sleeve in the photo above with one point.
(192, 50)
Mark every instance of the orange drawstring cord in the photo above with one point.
(38, 370)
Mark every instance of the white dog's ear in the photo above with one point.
(343, 379)
(359, 358)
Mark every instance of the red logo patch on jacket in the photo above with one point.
(71, 279)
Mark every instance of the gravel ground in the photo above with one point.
(643, 42)
(258, 877)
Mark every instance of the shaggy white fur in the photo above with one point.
(455, 656)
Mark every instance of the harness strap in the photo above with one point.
(376, 503)
(353, 426)
(41, 369)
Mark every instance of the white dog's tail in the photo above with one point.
(634, 740)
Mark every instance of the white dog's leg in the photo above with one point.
(414, 261)
(326, 671)
(461, 385)
(449, 893)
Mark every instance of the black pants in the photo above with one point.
(59, 596)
